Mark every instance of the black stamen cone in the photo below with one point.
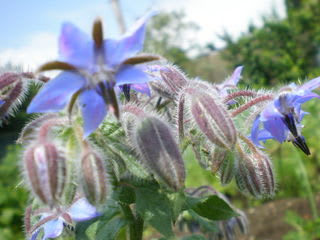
(109, 96)
(300, 142)
(290, 123)
(126, 91)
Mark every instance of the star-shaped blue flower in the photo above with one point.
(79, 211)
(93, 68)
(281, 119)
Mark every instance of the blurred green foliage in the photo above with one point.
(304, 228)
(13, 197)
(283, 49)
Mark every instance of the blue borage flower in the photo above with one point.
(54, 222)
(93, 68)
(281, 119)
(1, 102)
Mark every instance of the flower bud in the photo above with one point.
(93, 179)
(213, 120)
(8, 78)
(227, 170)
(11, 98)
(218, 156)
(159, 151)
(46, 172)
(173, 78)
(254, 174)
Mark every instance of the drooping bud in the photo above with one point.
(93, 178)
(31, 127)
(171, 81)
(11, 98)
(159, 151)
(174, 78)
(213, 120)
(7, 79)
(45, 170)
(217, 157)
(254, 173)
(227, 169)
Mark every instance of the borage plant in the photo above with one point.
(95, 175)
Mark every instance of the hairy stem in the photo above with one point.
(136, 222)
(252, 103)
(244, 93)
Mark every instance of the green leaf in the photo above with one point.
(109, 230)
(86, 230)
(124, 194)
(156, 209)
(213, 208)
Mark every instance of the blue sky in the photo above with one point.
(21, 18)
(30, 28)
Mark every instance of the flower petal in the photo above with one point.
(306, 97)
(131, 75)
(55, 94)
(235, 77)
(93, 110)
(277, 129)
(53, 228)
(82, 210)
(75, 46)
(273, 123)
(255, 132)
(35, 235)
(142, 88)
(116, 51)
(311, 85)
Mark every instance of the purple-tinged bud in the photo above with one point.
(131, 113)
(180, 115)
(7, 79)
(11, 98)
(213, 120)
(93, 178)
(254, 173)
(174, 78)
(159, 152)
(227, 170)
(46, 172)
(171, 81)
(31, 127)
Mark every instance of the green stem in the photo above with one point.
(136, 223)
(310, 194)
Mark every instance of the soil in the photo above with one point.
(266, 222)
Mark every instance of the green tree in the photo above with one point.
(282, 50)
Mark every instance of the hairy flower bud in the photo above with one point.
(159, 151)
(171, 80)
(11, 98)
(46, 172)
(93, 179)
(254, 173)
(213, 120)
(227, 170)
(217, 156)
